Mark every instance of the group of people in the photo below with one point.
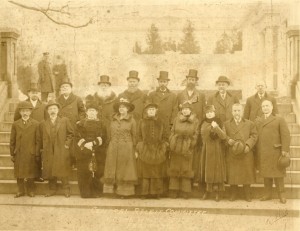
(149, 145)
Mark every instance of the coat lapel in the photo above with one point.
(61, 100)
(268, 120)
(220, 100)
(47, 126)
(58, 123)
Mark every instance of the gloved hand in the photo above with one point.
(231, 142)
(247, 149)
(13, 159)
(89, 145)
(99, 140)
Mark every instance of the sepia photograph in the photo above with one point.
(150, 115)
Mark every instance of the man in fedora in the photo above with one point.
(45, 77)
(190, 95)
(72, 107)
(273, 142)
(54, 139)
(241, 138)
(38, 113)
(104, 98)
(165, 99)
(23, 150)
(134, 95)
(223, 100)
(253, 104)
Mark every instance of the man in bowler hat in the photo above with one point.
(223, 100)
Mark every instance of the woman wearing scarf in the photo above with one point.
(213, 170)
(183, 139)
(151, 152)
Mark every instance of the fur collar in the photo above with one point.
(109, 99)
(190, 118)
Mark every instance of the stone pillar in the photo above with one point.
(9, 60)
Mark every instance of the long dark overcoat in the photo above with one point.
(45, 77)
(56, 161)
(23, 147)
(241, 170)
(273, 138)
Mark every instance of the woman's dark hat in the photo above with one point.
(125, 102)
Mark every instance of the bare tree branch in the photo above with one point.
(51, 18)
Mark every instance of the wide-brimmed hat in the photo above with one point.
(66, 81)
(151, 105)
(25, 105)
(238, 148)
(133, 75)
(125, 102)
(104, 79)
(192, 74)
(33, 87)
(223, 79)
(283, 162)
(92, 104)
(51, 103)
(209, 108)
(163, 75)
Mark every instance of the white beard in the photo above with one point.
(104, 94)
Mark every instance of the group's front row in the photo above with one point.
(124, 158)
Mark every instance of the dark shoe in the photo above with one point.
(217, 199)
(19, 195)
(31, 194)
(248, 199)
(282, 199)
(50, 194)
(266, 198)
(232, 197)
(173, 195)
(205, 196)
(67, 193)
(185, 195)
(39, 179)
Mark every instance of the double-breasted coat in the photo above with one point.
(213, 167)
(60, 74)
(105, 105)
(38, 112)
(23, 148)
(273, 138)
(138, 99)
(45, 76)
(240, 169)
(72, 108)
(223, 107)
(56, 158)
(120, 164)
(167, 106)
(253, 110)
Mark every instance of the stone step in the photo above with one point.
(12, 106)
(5, 137)
(5, 160)
(295, 139)
(5, 126)
(292, 191)
(295, 163)
(9, 116)
(290, 118)
(294, 128)
(284, 108)
(4, 148)
(295, 151)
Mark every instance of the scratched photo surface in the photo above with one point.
(247, 42)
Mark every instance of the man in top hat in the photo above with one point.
(253, 104)
(134, 95)
(104, 98)
(38, 108)
(60, 73)
(45, 77)
(241, 138)
(54, 139)
(72, 107)
(165, 99)
(23, 150)
(190, 95)
(223, 100)
(273, 142)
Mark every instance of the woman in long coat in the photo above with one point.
(120, 164)
(213, 171)
(184, 134)
(90, 139)
(151, 149)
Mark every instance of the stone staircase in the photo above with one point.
(8, 182)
